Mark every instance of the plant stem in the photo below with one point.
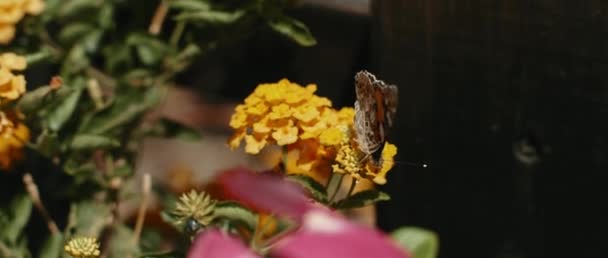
(336, 189)
(353, 183)
(141, 215)
(159, 18)
(32, 190)
(177, 33)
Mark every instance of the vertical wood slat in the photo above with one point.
(479, 79)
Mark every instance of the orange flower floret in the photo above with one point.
(13, 136)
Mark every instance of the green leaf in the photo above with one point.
(52, 247)
(74, 31)
(124, 110)
(91, 141)
(361, 199)
(190, 5)
(90, 41)
(233, 211)
(168, 218)
(150, 50)
(18, 215)
(74, 7)
(32, 100)
(317, 190)
(91, 218)
(421, 243)
(76, 60)
(106, 16)
(211, 16)
(62, 113)
(121, 243)
(47, 143)
(294, 29)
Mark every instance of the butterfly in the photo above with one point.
(375, 110)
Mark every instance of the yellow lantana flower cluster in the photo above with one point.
(279, 113)
(13, 133)
(287, 114)
(11, 12)
(13, 136)
(12, 86)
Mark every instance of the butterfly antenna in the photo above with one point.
(413, 164)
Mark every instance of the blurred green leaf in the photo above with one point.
(47, 143)
(32, 100)
(124, 110)
(18, 213)
(91, 218)
(52, 246)
(293, 29)
(106, 16)
(91, 141)
(76, 60)
(190, 5)
(150, 50)
(70, 8)
(235, 212)
(314, 188)
(90, 41)
(211, 16)
(362, 198)
(62, 113)
(74, 32)
(421, 243)
(121, 243)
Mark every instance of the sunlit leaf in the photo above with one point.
(235, 212)
(62, 113)
(190, 5)
(362, 198)
(18, 214)
(211, 16)
(421, 243)
(52, 246)
(293, 29)
(314, 188)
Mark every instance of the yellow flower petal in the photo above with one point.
(257, 110)
(235, 140)
(280, 111)
(7, 33)
(285, 135)
(5, 76)
(34, 7)
(11, 61)
(306, 113)
(388, 153)
(331, 136)
(13, 137)
(238, 120)
(262, 126)
(13, 89)
(255, 143)
(11, 15)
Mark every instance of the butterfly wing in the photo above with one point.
(375, 111)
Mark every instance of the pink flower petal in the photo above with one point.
(215, 244)
(327, 235)
(266, 192)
